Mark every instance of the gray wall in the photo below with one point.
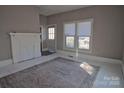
(107, 37)
(17, 19)
(107, 28)
(43, 20)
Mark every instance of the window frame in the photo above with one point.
(76, 44)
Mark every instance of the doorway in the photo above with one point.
(51, 42)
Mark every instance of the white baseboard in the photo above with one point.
(5, 62)
(84, 56)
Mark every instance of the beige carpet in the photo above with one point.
(57, 73)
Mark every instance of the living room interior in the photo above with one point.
(61, 46)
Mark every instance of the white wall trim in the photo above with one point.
(5, 62)
(84, 56)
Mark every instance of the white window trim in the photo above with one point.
(75, 49)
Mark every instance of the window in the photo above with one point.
(77, 35)
(69, 35)
(83, 42)
(83, 33)
(51, 33)
(70, 41)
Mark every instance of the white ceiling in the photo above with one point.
(54, 9)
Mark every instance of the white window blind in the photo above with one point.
(84, 28)
(69, 29)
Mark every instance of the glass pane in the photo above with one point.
(83, 42)
(49, 29)
(53, 30)
(70, 41)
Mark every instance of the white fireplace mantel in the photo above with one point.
(25, 46)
